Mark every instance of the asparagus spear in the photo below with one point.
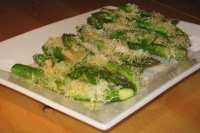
(119, 75)
(57, 55)
(27, 72)
(124, 72)
(37, 76)
(33, 74)
(99, 18)
(65, 48)
(85, 72)
(69, 40)
(139, 61)
(111, 95)
(115, 95)
(54, 48)
(40, 59)
(90, 74)
(128, 8)
(130, 57)
(146, 31)
(160, 50)
(149, 26)
(144, 40)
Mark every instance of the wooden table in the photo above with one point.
(175, 111)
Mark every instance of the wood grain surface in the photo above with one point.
(175, 111)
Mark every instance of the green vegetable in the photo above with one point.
(124, 74)
(181, 40)
(27, 72)
(145, 24)
(40, 59)
(179, 54)
(115, 95)
(53, 52)
(69, 40)
(45, 50)
(111, 95)
(117, 79)
(160, 28)
(81, 97)
(98, 24)
(128, 8)
(99, 18)
(99, 44)
(144, 61)
(91, 74)
(85, 73)
(104, 61)
(118, 35)
(105, 15)
(160, 50)
(57, 55)
(154, 49)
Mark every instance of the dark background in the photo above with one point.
(24, 15)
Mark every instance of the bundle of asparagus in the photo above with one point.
(104, 61)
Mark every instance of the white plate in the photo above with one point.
(21, 48)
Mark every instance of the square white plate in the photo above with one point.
(20, 49)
